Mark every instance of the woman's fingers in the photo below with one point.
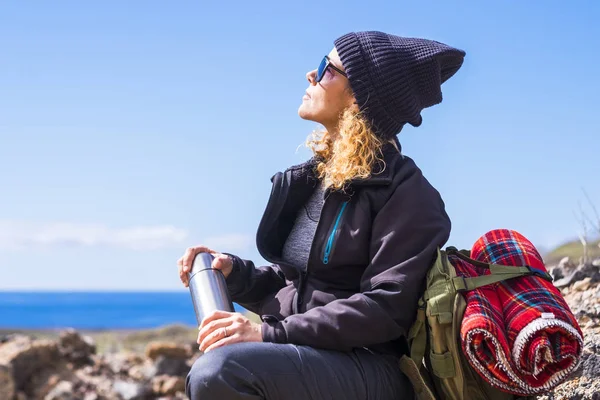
(190, 254)
(184, 264)
(218, 334)
(215, 315)
(235, 338)
(207, 329)
(214, 326)
(221, 328)
(223, 263)
(182, 275)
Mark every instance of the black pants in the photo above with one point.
(288, 372)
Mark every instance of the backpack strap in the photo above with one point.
(497, 273)
(410, 369)
(417, 336)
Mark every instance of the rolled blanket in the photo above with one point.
(519, 335)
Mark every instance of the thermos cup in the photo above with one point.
(207, 287)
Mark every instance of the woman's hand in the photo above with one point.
(222, 262)
(222, 328)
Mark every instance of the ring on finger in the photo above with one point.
(225, 330)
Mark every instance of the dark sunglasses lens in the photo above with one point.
(321, 69)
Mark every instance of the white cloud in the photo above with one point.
(20, 235)
(17, 235)
(230, 242)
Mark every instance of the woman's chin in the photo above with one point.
(304, 112)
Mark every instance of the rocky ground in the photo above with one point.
(581, 287)
(72, 365)
(69, 368)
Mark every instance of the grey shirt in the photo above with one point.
(297, 246)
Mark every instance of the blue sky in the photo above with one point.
(131, 130)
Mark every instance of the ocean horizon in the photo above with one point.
(95, 310)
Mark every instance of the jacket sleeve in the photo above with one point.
(406, 233)
(248, 285)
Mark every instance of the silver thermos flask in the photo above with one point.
(207, 287)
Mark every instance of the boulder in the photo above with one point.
(7, 383)
(129, 390)
(167, 349)
(62, 391)
(164, 385)
(583, 285)
(27, 356)
(76, 348)
(142, 372)
(171, 366)
(121, 363)
(568, 280)
(565, 263)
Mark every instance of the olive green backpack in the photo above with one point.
(437, 367)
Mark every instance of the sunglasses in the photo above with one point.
(326, 63)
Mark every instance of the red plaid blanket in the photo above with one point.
(520, 334)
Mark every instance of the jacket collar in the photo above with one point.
(382, 175)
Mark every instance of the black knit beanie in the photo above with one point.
(393, 78)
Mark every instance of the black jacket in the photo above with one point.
(372, 248)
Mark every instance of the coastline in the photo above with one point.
(116, 340)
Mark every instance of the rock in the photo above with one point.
(45, 380)
(7, 383)
(590, 365)
(171, 366)
(171, 350)
(584, 382)
(596, 262)
(27, 356)
(76, 348)
(573, 277)
(121, 363)
(176, 396)
(582, 272)
(563, 269)
(557, 273)
(168, 385)
(143, 372)
(565, 263)
(101, 385)
(582, 285)
(132, 390)
(590, 271)
(20, 396)
(5, 338)
(62, 391)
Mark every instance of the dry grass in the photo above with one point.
(117, 340)
(573, 250)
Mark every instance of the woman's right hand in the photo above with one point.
(222, 262)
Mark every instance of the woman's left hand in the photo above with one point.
(222, 328)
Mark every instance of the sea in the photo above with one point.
(95, 310)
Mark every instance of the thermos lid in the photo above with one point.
(202, 262)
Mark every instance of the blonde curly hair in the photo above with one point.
(352, 155)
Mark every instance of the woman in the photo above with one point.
(350, 235)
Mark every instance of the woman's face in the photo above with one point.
(326, 100)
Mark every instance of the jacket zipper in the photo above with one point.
(332, 236)
(304, 274)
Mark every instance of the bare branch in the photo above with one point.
(596, 225)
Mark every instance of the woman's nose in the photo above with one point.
(311, 76)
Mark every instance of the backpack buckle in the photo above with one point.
(539, 273)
